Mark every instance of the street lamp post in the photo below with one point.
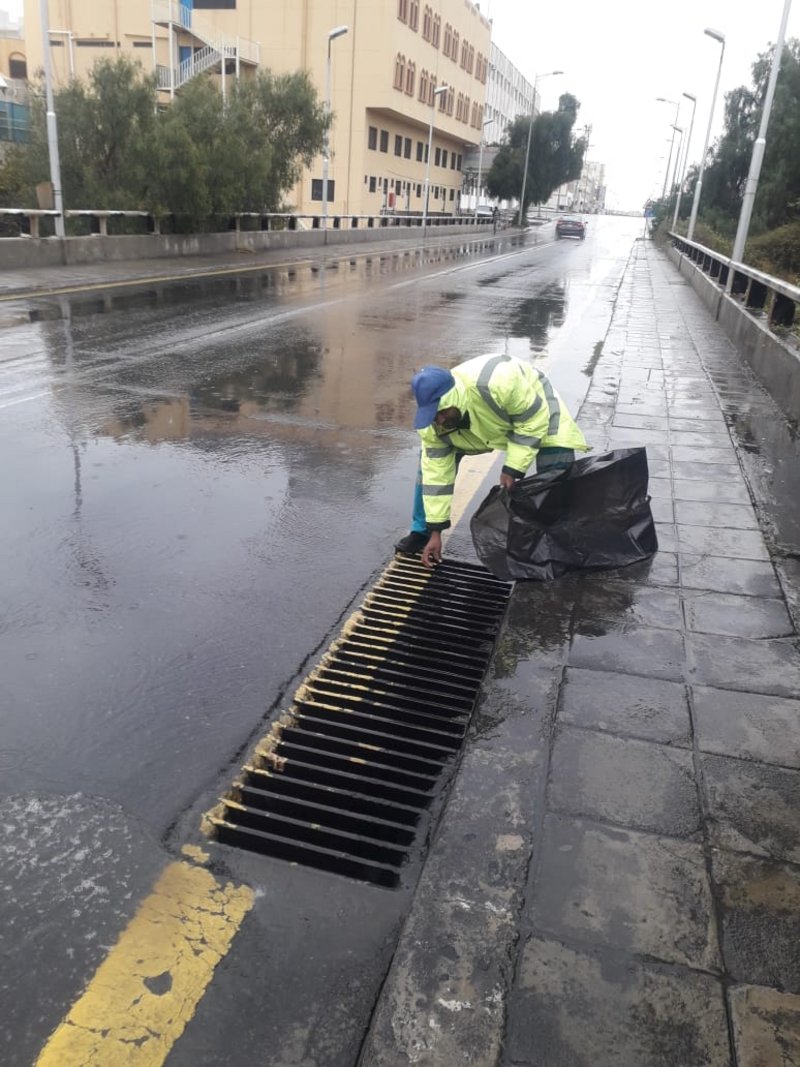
(436, 92)
(480, 168)
(757, 157)
(680, 131)
(549, 74)
(339, 31)
(720, 37)
(677, 103)
(685, 160)
(52, 126)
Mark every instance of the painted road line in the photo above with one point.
(147, 989)
(471, 472)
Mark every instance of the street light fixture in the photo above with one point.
(680, 131)
(488, 122)
(677, 103)
(549, 74)
(436, 92)
(757, 157)
(685, 160)
(720, 38)
(52, 127)
(338, 31)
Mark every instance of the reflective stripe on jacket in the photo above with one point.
(512, 408)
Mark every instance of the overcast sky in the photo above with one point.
(620, 55)
(617, 57)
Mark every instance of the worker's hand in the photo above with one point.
(507, 481)
(432, 552)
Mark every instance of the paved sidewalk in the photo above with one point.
(616, 879)
(31, 280)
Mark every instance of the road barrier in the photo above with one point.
(758, 315)
(29, 221)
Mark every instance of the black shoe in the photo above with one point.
(412, 543)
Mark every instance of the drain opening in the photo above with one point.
(346, 777)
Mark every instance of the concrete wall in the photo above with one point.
(23, 253)
(774, 361)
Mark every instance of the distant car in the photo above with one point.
(571, 226)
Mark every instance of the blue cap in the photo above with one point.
(429, 386)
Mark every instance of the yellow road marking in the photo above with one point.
(147, 989)
(471, 472)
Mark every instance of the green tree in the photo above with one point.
(197, 158)
(778, 197)
(556, 156)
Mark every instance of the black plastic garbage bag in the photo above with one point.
(596, 514)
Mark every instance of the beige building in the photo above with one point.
(384, 70)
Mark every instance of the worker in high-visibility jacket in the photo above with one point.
(485, 404)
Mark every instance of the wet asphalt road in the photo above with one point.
(204, 479)
(205, 476)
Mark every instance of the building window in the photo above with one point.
(448, 38)
(411, 74)
(450, 99)
(444, 158)
(458, 164)
(398, 145)
(427, 22)
(372, 138)
(407, 148)
(413, 14)
(443, 101)
(373, 184)
(402, 10)
(384, 140)
(452, 194)
(471, 59)
(452, 161)
(437, 157)
(142, 44)
(419, 190)
(17, 67)
(420, 151)
(423, 85)
(437, 30)
(399, 71)
(454, 48)
(316, 189)
(215, 5)
(95, 42)
(464, 54)
(466, 109)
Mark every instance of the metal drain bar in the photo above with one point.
(346, 775)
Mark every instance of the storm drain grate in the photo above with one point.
(347, 774)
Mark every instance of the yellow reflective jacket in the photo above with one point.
(512, 408)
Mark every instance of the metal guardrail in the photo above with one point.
(248, 221)
(762, 295)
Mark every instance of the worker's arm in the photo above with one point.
(529, 413)
(438, 468)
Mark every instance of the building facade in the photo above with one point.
(508, 94)
(384, 71)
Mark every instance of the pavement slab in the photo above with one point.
(760, 911)
(736, 616)
(628, 650)
(582, 1008)
(625, 782)
(766, 1026)
(646, 894)
(647, 708)
(747, 725)
(620, 602)
(770, 666)
(720, 575)
(753, 807)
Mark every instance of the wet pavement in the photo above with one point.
(208, 476)
(616, 878)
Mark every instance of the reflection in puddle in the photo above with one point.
(536, 317)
